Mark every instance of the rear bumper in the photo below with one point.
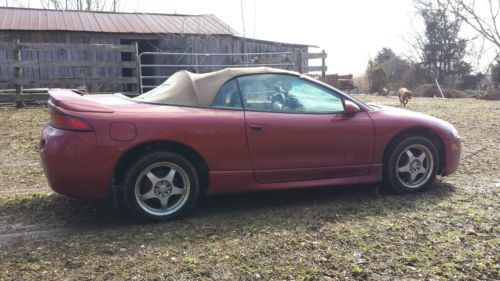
(74, 165)
(452, 150)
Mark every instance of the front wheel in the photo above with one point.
(412, 164)
(160, 186)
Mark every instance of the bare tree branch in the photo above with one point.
(486, 26)
(81, 5)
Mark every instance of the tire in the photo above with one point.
(411, 165)
(161, 186)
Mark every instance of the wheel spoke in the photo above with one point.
(421, 158)
(164, 202)
(152, 177)
(148, 195)
(171, 175)
(177, 191)
(421, 171)
(413, 176)
(410, 155)
(404, 169)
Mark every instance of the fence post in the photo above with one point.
(135, 57)
(439, 88)
(18, 73)
(323, 65)
(298, 62)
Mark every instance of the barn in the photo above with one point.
(127, 52)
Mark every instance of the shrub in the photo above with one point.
(491, 95)
(430, 90)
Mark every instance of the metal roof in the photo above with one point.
(110, 22)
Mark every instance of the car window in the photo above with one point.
(286, 93)
(228, 96)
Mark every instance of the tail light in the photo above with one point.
(66, 122)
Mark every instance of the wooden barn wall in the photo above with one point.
(62, 55)
(217, 44)
(176, 43)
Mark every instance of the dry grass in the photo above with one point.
(450, 231)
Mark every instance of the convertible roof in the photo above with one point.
(192, 89)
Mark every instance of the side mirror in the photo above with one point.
(350, 108)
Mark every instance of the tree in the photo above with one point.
(384, 55)
(81, 5)
(377, 79)
(394, 67)
(484, 22)
(495, 74)
(440, 47)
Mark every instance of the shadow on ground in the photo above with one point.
(42, 211)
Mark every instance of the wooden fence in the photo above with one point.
(319, 68)
(126, 69)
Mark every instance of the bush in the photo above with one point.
(377, 79)
(491, 95)
(430, 90)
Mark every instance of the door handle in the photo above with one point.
(256, 127)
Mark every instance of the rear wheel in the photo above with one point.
(412, 164)
(161, 186)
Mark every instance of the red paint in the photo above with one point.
(244, 150)
(122, 131)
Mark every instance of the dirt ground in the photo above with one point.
(450, 231)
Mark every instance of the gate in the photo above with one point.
(156, 67)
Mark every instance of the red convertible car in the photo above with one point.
(234, 130)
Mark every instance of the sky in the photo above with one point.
(350, 31)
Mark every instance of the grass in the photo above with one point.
(450, 231)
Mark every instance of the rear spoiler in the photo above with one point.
(76, 100)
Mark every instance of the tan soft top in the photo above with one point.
(192, 89)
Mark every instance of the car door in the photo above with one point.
(297, 130)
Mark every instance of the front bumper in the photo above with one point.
(74, 165)
(452, 151)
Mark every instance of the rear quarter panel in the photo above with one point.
(217, 134)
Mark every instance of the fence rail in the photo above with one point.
(150, 74)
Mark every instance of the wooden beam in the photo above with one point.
(71, 80)
(323, 64)
(315, 55)
(316, 68)
(135, 60)
(65, 46)
(18, 73)
(8, 46)
(26, 97)
(73, 63)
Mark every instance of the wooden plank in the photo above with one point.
(31, 90)
(316, 68)
(69, 80)
(77, 47)
(18, 75)
(135, 59)
(315, 55)
(69, 63)
(26, 97)
(8, 46)
(64, 46)
(323, 64)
